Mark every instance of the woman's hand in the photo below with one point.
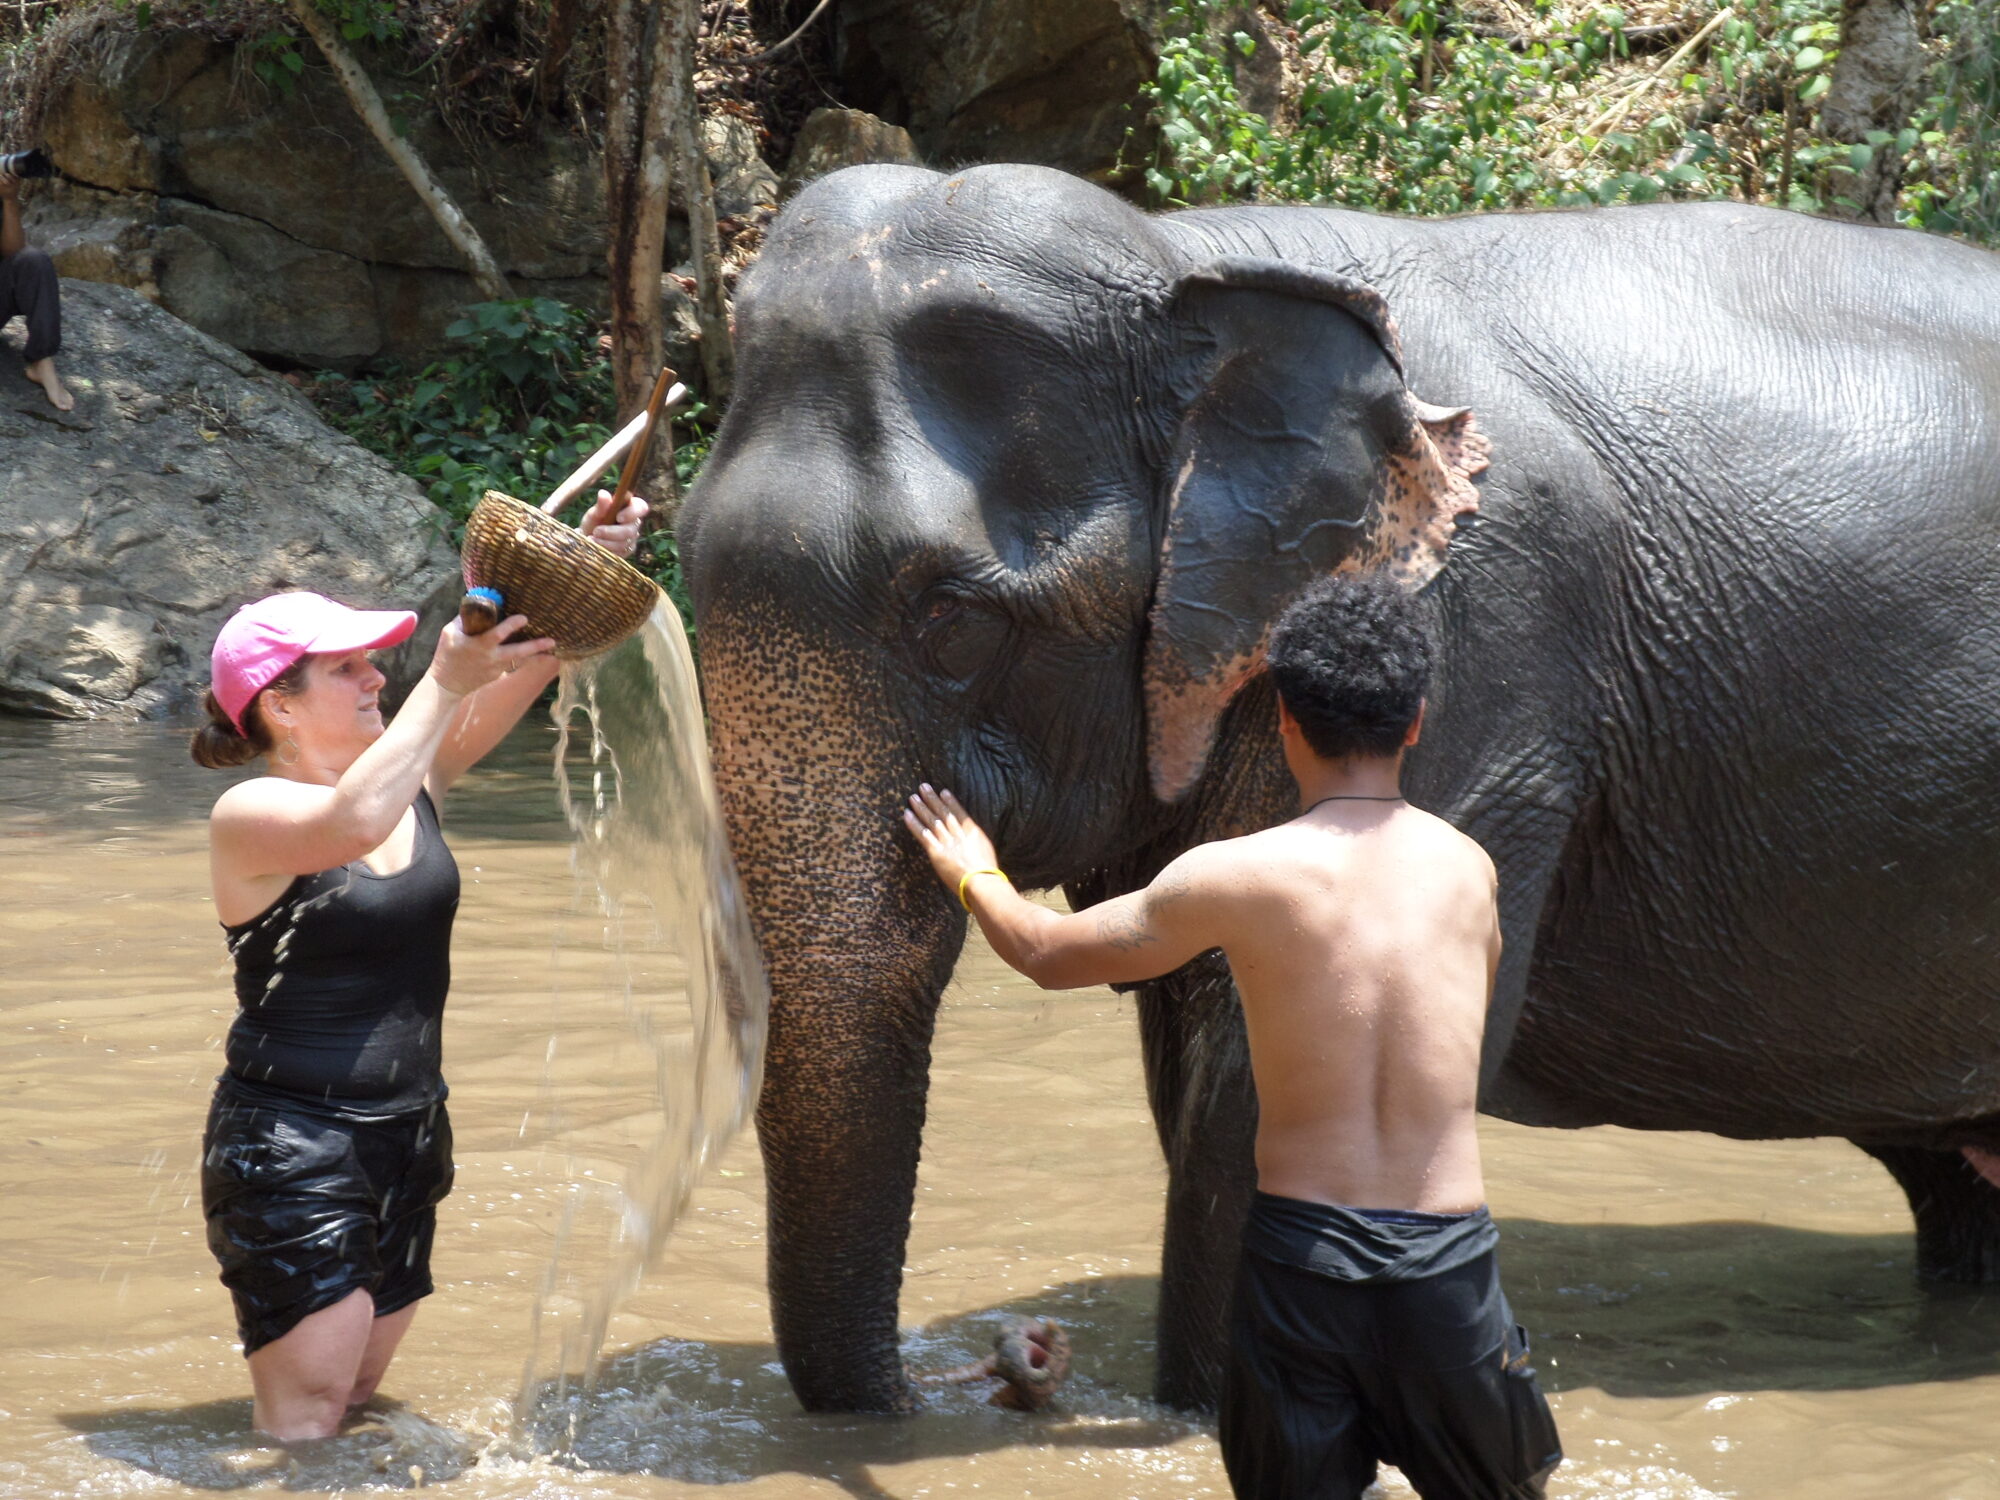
(620, 534)
(953, 841)
(464, 663)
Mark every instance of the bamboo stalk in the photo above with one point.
(1785, 152)
(1596, 128)
(718, 355)
(360, 91)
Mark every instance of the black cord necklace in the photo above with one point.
(1349, 797)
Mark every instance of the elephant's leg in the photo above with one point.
(1198, 1077)
(1957, 1212)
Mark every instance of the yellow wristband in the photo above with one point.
(982, 870)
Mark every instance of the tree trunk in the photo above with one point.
(1874, 85)
(367, 104)
(636, 176)
(718, 351)
(558, 37)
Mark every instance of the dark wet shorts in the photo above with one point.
(304, 1207)
(1347, 1349)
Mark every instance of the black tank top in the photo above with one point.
(341, 984)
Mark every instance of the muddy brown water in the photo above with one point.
(1714, 1318)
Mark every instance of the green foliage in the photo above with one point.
(274, 52)
(1954, 177)
(1394, 113)
(1416, 109)
(275, 55)
(516, 410)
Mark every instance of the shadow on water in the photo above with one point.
(209, 1446)
(722, 1413)
(1664, 1310)
(1684, 1309)
(692, 1412)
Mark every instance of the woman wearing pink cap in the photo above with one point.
(328, 1147)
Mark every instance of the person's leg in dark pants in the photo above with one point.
(1291, 1425)
(1460, 1410)
(29, 287)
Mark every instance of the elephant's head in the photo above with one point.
(1009, 493)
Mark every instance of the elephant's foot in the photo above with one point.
(1956, 1202)
(1030, 1354)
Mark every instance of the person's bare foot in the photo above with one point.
(43, 373)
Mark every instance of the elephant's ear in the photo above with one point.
(1300, 451)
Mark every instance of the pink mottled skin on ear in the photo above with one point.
(1426, 487)
(1181, 712)
(1985, 1163)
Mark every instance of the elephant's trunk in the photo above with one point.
(859, 945)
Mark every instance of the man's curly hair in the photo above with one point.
(1351, 659)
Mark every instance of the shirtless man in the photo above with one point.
(1368, 1323)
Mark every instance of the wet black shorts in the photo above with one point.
(303, 1208)
(1328, 1377)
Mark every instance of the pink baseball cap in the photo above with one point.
(261, 640)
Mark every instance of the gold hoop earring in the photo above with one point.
(291, 745)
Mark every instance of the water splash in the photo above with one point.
(654, 868)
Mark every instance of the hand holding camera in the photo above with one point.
(17, 167)
(24, 165)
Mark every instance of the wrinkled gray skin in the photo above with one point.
(1014, 480)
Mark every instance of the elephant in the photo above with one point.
(1703, 504)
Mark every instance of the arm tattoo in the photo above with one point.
(1169, 887)
(1124, 929)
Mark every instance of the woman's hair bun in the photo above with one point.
(218, 746)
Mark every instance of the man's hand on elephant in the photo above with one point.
(619, 534)
(957, 846)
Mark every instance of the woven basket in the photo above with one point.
(572, 590)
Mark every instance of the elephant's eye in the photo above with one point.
(957, 634)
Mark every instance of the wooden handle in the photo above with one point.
(480, 610)
(636, 459)
(613, 449)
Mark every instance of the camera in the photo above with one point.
(27, 164)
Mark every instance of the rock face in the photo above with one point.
(1048, 81)
(277, 224)
(834, 138)
(186, 482)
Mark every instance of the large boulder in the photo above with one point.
(834, 138)
(1049, 81)
(187, 481)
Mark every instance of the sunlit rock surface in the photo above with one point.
(834, 138)
(187, 481)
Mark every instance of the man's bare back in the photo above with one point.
(1362, 937)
